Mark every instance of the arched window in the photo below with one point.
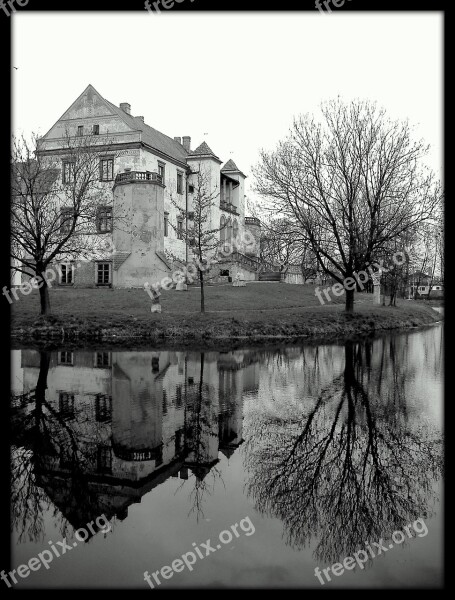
(222, 229)
(229, 232)
(235, 231)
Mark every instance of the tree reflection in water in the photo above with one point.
(344, 459)
(354, 467)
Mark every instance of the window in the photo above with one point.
(66, 405)
(96, 129)
(228, 234)
(104, 219)
(65, 358)
(178, 396)
(164, 402)
(66, 219)
(161, 170)
(191, 189)
(102, 359)
(179, 441)
(222, 229)
(191, 215)
(235, 230)
(66, 274)
(103, 273)
(104, 459)
(103, 408)
(179, 228)
(68, 171)
(80, 130)
(106, 169)
(179, 183)
(166, 224)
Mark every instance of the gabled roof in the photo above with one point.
(203, 150)
(151, 136)
(230, 166)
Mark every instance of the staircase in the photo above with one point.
(270, 276)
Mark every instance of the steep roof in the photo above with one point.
(230, 166)
(203, 149)
(151, 136)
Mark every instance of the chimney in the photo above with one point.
(187, 143)
(141, 118)
(178, 139)
(126, 107)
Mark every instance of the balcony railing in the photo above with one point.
(139, 176)
(252, 221)
(229, 207)
(136, 455)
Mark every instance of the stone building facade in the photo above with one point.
(150, 179)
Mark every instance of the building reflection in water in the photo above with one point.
(338, 443)
(95, 431)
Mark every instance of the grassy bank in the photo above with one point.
(255, 313)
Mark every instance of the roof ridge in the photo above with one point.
(176, 150)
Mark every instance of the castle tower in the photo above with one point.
(138, 233)
(253, 225)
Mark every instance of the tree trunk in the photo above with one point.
(349, 306)
(201, 279)
(41, 385)
(44, 296)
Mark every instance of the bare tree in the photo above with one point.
(56, 198)
(202, 238)
(349, 184)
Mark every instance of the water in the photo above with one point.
(311, 450)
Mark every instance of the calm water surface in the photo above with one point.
(322, 448)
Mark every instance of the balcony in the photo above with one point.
(252, 221)
(228, 207)
(129, 176)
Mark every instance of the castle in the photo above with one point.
(151, 178)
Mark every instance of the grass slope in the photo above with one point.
(258, 311)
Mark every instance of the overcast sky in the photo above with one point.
(238, 77)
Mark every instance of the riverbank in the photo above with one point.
(258, 313)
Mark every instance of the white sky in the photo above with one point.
(239, 77)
